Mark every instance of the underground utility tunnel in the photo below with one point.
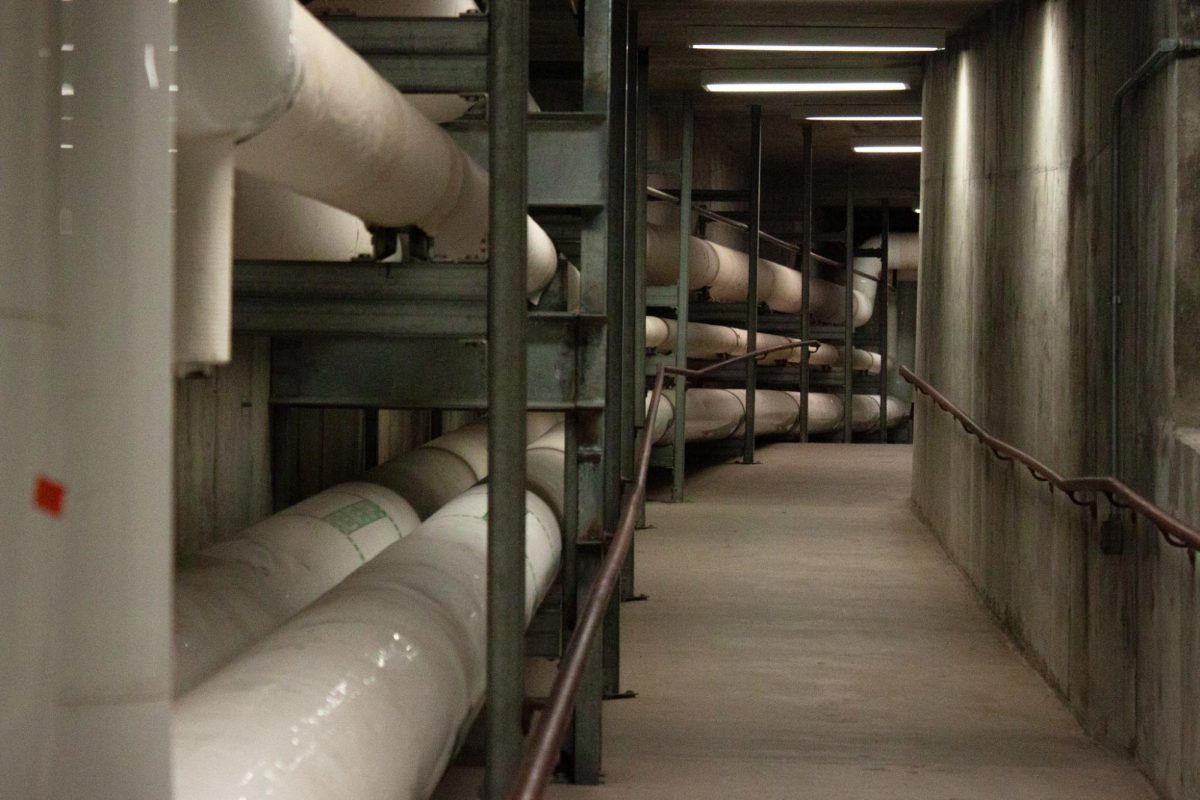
(638, 399)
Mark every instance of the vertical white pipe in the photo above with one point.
(114, 708)
(29, 445)
(203, 253)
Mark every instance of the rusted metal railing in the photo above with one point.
(542, 750)
(1082, 491)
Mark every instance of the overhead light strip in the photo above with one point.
(810, 86)
(817, 48)
(863, 118)
(887, 148)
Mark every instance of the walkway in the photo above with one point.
(806, 638)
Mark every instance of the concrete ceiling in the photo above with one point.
(675, 68)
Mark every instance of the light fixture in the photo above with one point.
(810, 86)
(780, 39)
(850, 118)
(809, 80)
(887, 148)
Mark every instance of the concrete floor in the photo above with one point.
(807, 638)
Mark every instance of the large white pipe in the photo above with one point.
(865, 412)
(395, 8)
(712, 341)
(431, 475)
(114, 696)
(273, 223)
(239, 590)
(392, 673)
(904, 252)
(351, 140)
(725, 272)
(721, 413)
(824, 412)
(237, 74)
(203, 252)
(31, 579)
(312, 115)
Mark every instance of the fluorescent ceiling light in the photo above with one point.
(888, 148)
(810, 86)
(799, 39)
(817, 48)
(864, 118)
(883, 79)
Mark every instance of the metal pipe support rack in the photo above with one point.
(363, 334)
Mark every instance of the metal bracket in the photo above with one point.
(1112, 535)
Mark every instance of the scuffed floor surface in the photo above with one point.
(806, 638)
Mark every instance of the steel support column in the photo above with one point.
(806, 265)
(681, 307)
(848, 323)
(508, 87)
(881, 301)
(618, 390)
(599, 432)
(641, 120)
(753, 246)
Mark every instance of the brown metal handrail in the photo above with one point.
(541, 752)
(1082, 491)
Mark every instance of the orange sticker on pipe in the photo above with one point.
(48, 495)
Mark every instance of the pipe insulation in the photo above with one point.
(243, 588)
(308, 113)
(367, 693)
(112, 734)
(273, 223)
(30, 427)
(715, 341)
(237, 73)
(351, 140)
(203, 252)
(725, 272)
(714, 414)
(239, 590)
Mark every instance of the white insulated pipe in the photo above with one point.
(112, 738)
(203, 253)
(725, 272)
(237, 73)
(310, 114)
(712, 341)
(824, 412)
(904, 252)
(721, 413)
(351, 140)
(273, 223)
(395, 8)
(31, 579)
(435, 473)
(241, 589)
(865, 412)
(392, 673)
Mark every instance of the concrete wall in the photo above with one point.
(1012, 325)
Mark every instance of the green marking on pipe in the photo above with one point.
(357, 515)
